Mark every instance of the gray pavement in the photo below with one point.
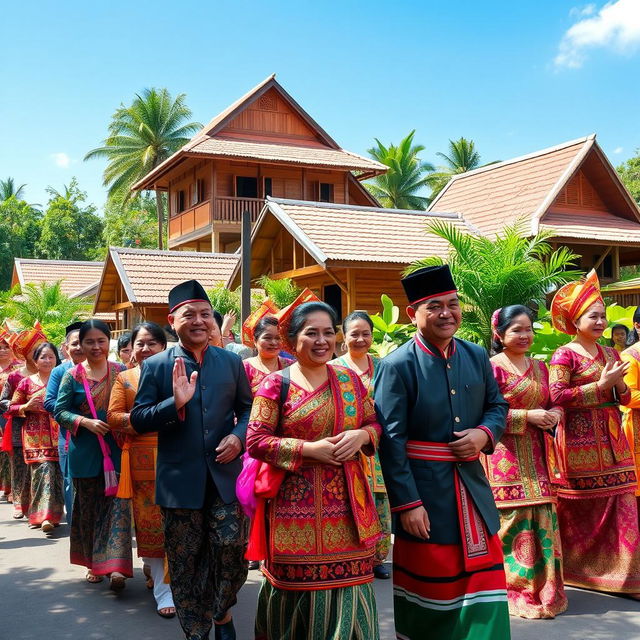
(42, 596)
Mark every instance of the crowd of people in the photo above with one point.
(502, 478)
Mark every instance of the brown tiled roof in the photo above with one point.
(367, 234)
(310, 156)
(148, 275)
(75, 276)
(595, 226)
(519, 189)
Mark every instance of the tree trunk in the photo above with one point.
(160, 210)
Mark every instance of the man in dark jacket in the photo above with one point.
(439, 406)
(198, 400)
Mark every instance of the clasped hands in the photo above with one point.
(336, 449)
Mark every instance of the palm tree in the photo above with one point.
(142, 136)
(398, 188)
(462, 157)
(8, 189)
(47, 304)
(493, 273)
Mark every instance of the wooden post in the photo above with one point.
(616, 263)
(212, 205)
(346, 188)
(246, 264)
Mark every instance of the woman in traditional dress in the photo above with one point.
(357, 329)
(8, 364)
(23, 345)
(519, 474)
(40, 441)
(138, 475)
(309, 424)
(631, 408)
(597, 509)
(101, 525)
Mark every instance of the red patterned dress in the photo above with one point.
(518, 471)
(5, 460)
(322, 525)
(597, 509)
(255, 376)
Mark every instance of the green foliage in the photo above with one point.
(281, 292)
(6, 299)
(8, 189)
(132, 223)
(398, 188)
(225, 300)
(493, 273)
(388, 334)
(47, 304)
(462, 156)
(71, 230)
(141, 136)
(629, 173)
(19, 234)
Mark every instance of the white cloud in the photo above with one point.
(61, 160)
(618, 150)
(616, 26)
(582, 12)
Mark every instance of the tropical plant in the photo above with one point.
(6, 299)
(8, 189)
(225, 300)
(461, 157)
(141, 136)
(629, 173)
(47, 304)
(400, 186)
(493, 273)
(132, 223)
(281, 292)
(71, 230)
(388, 334)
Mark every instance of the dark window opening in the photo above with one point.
(268, 187)
(246, 187)
(180, 201)
(605, 270)
(326, 192)
(333, 297)
(197, 195)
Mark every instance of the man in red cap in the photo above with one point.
(439, 406)
(198, 399)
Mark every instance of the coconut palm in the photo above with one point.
(8, 188)
(47, 304)
(493, 273)
(399, 187)
(141, 136)
(461, 157)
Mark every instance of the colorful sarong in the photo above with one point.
(533, 561)
(347, 613)
(47, 502)
(384, 513)
(5, 473)
(20, 482)
(601, 544)
(100, 529)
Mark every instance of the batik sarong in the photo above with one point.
(20, 481)
(5, 473)
(47, 502)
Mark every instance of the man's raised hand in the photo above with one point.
(183, 387)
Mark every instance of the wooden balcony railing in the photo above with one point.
(226, 210)
(230, 209)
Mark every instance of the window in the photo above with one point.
(333, 297)
(246, 187)
(605, 270)
(268, 187)
(197, 191)
(326, 192)
(180, 201)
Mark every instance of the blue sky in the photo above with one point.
(513, 76)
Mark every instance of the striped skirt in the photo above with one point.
(432, 591)
(347, 613)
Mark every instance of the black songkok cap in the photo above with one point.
(74, 326)
(428, 282)
(185, 292)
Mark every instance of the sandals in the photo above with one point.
(17, 515)
(47, 526)
(117, 583)
(167, 612)
(92, 578)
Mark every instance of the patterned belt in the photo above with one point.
(434, 451)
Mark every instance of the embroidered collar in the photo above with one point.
(434, 351)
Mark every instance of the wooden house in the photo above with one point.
(264, 144)
(570, 190)
(135, 283)
(347, 254)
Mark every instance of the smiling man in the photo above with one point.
(197, 398)
(439, 406)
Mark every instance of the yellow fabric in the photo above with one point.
(572, 300)
(631, 411)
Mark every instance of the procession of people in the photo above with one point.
(501, 478)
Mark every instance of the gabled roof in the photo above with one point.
(524, 189)
(147, 275)
(213, 142)
(338, 234)
(75, 275)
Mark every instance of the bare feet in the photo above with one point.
(167, 612)
(93, 578)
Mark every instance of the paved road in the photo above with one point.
(43, 597)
